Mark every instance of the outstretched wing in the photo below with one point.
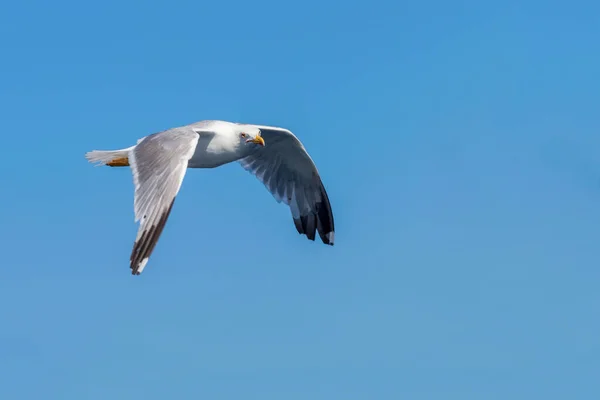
(159, 163)
(288, 172)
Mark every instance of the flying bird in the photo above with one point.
(274, 155)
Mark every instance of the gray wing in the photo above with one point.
(288, 172)
(159, 163)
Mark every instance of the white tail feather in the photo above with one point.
(102, 157)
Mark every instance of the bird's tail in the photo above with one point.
(112, 158)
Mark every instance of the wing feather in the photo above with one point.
(159, 163)
(289, 173)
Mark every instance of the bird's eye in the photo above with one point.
(243, 135)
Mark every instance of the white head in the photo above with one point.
(250, 136)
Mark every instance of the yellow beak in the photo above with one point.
(258, 140)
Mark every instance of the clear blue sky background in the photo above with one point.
(459, 143)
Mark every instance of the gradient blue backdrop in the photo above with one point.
(459, 144)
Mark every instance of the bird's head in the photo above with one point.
(251, 136)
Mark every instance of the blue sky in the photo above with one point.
(458, 143)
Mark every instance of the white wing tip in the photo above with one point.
(330, 237)
(140, 267)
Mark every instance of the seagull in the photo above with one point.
(274, 155)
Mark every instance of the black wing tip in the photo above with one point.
(142, 248)
(325, 221)
(138, 267)
(304, 228)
